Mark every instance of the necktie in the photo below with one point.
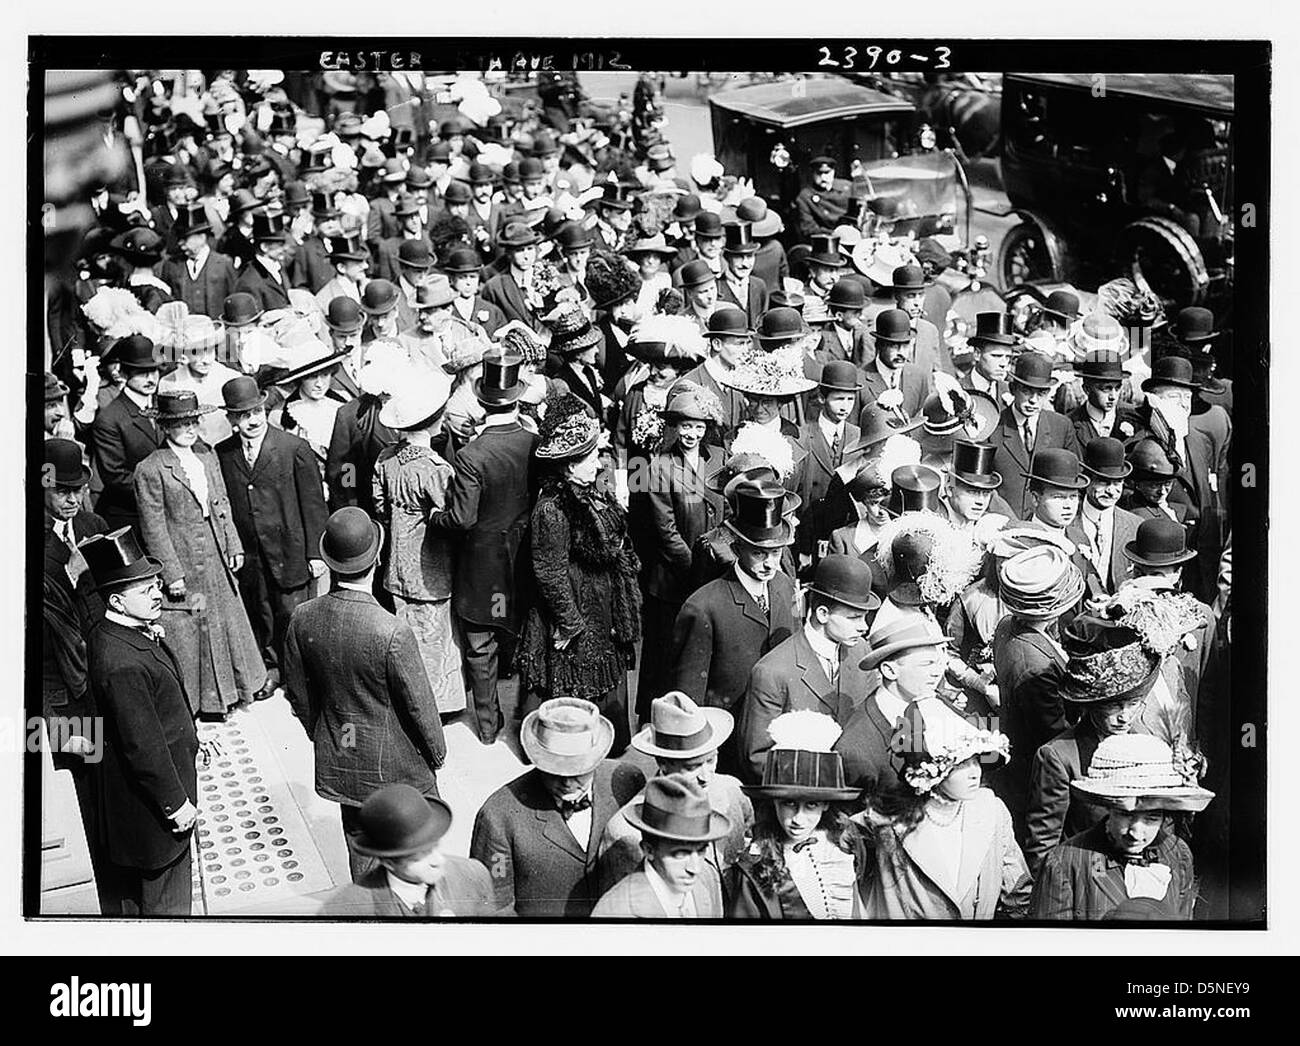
(835, 449)
(762, 601)
(250, 453)
(1028, 435)
(569, 807)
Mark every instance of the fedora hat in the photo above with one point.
(1150, 461)
(115, 559)
(655, 244)
(346, 248)
(906, 630)
(681, 729)
(1104, 458)
(140, 246)
(676, 807)
(1160, 542)
(1132, 772)
(893, 325)
(909, 278)
(914, 488)
(241, 393)
(433, 293)
(501, 383)
(241, 309)
(1171, 370)
(63, 464)
(802, 762)
(1106, 662)
(1033, 370)
(1057, 468)
(727, 321)
(379, 298)
(708, 226)
(545, 143)
(1100, 365)
(846, 580)
(847, 293)
(320, 363)
(462, 260)
(933, 738)
(566, 736)
(1193, 325)
(177, 405)
(517, 235)
(193, 220)
(422, 396)
(738, 238)
(344, 315)
(1063, 304)
(696, 273)
(418, 178)
(992, 328)
(1039, 582)
(268, 227)
(397, 821)
(765, 222)
(780, 325)
(972, 464)
(759, 516)
(351, 541)
(825, 250)
(415, 254)
(840, 376)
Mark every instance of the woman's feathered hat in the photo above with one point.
(568, 430)
(927, 560)
(802, 762)
(659, 338)
(611, 280)
(766, 444)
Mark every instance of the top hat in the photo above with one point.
(696, 273)
(913, 488)
(242, 201)
(780, 325)
(351, 541)
(1150, 461)
(501, 383)
(379, 298)
(847, 294)
(738, 238)
(727, 321)
(676, 807)
(615, 195)
(397, 821)
(681, 729)
(765, 221)
(840, 376)
(136, 352)
(933, 738)
(282, 122)
(992, 328)
(1064, 304)
(846, 580)
(1100, 365)
(517, 235)
(415, 254)
(972, 464)
(1193, 325)
(241, 393)
(268, 227)
(322, 205)
(893, 325)
(759, 514)
(344, 315)
(1034, 370)
(1107, 662)
(826, 251)
(708, 226)
(910, 278)
(418, 178)
(1132, 772)
(1160, 542)
(1057, 468)
(63, 464)
(566, 737)
(178, 405)
(241, 309)
(1171, 370)
(346, 248)
(1104, 458)
(139, 245)
(296, 196)
(193, 220)
(907, 630)
(115, 559)
(1040, 582)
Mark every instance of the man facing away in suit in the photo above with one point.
(819, 667)
(414, 879)
(354, 677)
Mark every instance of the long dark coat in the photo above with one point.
(681, 509)
(1011, 459)
(121, 438)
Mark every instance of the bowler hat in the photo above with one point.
(1033, 370)
(708, 226)
(846, 580)
(457, 192)
(566, 737)
(910, 278)
(501, 383)
(696, 273)
(241, 394)
(1100, 365)
(913, 488)
(344, 315)
(397, 821)
(847, 294)
(415, 254)
(351, 541)
(840, 376)
(1194, 324)
(573, 236)
(63, 464)
(681, 729)
(517, 235)
(1104, 458)
(766, 222)
(780, 325)
(241, 309)
(545, 144)
(531, 170)
(1057, 468)
(115, 559)
(418, 178)
(687, 208)
(825, 250)
(140, 246)
(177, 405)
(893, 325)
(439, 152)
(379, 298)
(728, 321)
(346, 248)
(738, 238)
(480, 174)
(972, 464)
(676, 807)
(193, 220)
(1064, 304)
(759, 517)
(454, 125)
(992, 328)
(270, 227)
(136, 352)
(1171, 370)
(462, 260)
(905, 631)
(1160, 542)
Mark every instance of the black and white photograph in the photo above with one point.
(582, 482)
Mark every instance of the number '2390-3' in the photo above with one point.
(874, 53)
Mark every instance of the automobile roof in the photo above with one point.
(781, 104)
(1208, 92)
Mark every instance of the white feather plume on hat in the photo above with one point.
(804, 730)
(119, 314)
(767, 444)
(899, 450)
(705, 168)
(680, 334)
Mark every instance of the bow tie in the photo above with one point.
(569, 807)
(802, 846)
(154, 632)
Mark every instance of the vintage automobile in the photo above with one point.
(963, 108)
(1120, 175)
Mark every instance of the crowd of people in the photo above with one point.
(370, 401)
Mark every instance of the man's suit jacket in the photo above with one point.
(927, 348)
(165, 225)
(278, 504)
(579, 378)
(791, 678)
(356, 681)
(1011, 459)
(681, 509)
(485, 314)
(813, 476)
(488, 505)
(465, 892)
(311, 266)
(861, 351)
(121, 437)
(1085, 433)
(382, 222)
(206, 295)
(1053, 813)
(336, 287)
(633, 897)
(1105, 578)
(150, 744)
(536, 864)
(503, 292)
(771, 265)
(356, 442)
(756, 299)
(272, 293)
(864, 746)
(914, 383)
(720, 635)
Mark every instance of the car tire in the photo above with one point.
(1023, 257)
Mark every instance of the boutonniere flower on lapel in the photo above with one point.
(890, 399)
(482, 315)
(1125, 428)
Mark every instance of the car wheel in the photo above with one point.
(1024, 258)
(1162, 257)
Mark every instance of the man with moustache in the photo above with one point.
(1102, 529)
(122, 435)
(201, 277)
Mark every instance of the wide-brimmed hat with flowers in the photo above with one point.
(777, 373)
(1132, 772)
(933, 738)
(1108, 661)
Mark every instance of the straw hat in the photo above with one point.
(1039, 583)
(566, 736)
(1133, 772)
(1099, 332)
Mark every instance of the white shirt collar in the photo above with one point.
(196, 265)
(132, 623)
(1096, 515)
(676, 905)
(256, 443)
(140, 401)
(826, 649)
(891, 706)
(410, 894)
(499, 419)
(357, 586)
(716, 368)
(270, 266)
(1100, 421)
(751, 585)
(980, 382)
(829, 429)
(1022, 418)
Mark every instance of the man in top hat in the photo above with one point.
(844, 338)
(264, 277)
(488, 507)
(1028, 425)
(1102, 414)
(383, 223)
(1102, 529)
(675, 880)
(513, 291)
(892, 379)
(819, 667)
(354, 677)
(992, 345)
(728, 334)
(613, 217)
(147, 777)
(970, 495)
(826, 265)
(821, 206)
(908, 654)
(539, 835)
(311, 267)
(682, 738)
(770, 263)
(739, 286)
(278, 507)
(414, 879)
(705, 245)
(237, 241)
(122, 435)
(463, 269)
(351, 263)
(201, 277)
